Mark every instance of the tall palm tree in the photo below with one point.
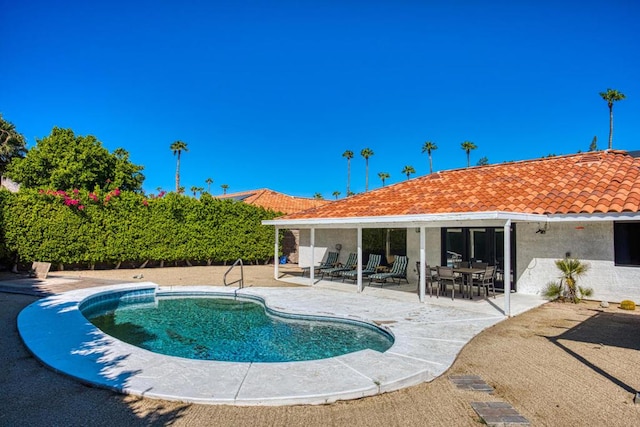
(208, 181)
(366, 153)
(336, 194)
(348, 155)
(408, 170)
(178, 147)
(611, 96)
(428, 147)
(383, 176)
(224, 188)
(467, 146)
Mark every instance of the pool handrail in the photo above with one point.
(241, 280)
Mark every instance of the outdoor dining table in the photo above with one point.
(467, 278)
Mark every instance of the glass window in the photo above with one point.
(626, 243)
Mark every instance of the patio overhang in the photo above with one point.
(491, 218)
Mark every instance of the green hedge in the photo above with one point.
(91, 228)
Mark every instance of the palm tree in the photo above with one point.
(318, 196)
(468, 146)
(195, 190)
(428, 147)
(224, 188)
(611, 96)
(383, 176)
(178, 147)
(408, 170)
(366, 153)
(336, 194)
(348, 155)
(12, 144)
(208, 181)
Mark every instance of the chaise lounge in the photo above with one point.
(352, 262)
(331, 261)
(372, 264)
(398, 272)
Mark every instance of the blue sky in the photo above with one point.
(271, 93)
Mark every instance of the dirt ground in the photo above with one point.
(558, 365)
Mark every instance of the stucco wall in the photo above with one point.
(536, 252)
(589, 242)
(325, 241)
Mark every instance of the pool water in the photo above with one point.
(227, 329)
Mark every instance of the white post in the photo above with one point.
(312, 270)
(276, 259)
(507, 268)
(423, 262)
(359, 259)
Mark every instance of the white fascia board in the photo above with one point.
(496, 218)
(596, 217)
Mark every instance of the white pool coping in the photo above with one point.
(428, 337)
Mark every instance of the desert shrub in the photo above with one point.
(627, 305)
(567, 288)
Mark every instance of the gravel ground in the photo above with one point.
(558, 365)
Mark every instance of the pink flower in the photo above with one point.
(144, 202)
(116, 192)
(76, 191)
(80, 207)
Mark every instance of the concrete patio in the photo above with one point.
(428, 337)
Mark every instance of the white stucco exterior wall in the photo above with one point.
(591, 242)
(325, 241)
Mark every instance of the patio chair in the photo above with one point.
(397, 273)
(332, 259)
(446, 276)
(370, 268)
(486, 280)
(352, 262)
(430, 279)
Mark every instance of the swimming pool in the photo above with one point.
(233, 329)
(427, 338)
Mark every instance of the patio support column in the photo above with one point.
(507, 268)
(276, 258)
(423, 259)
(312, 270)
(359, 259)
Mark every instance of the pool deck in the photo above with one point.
(428, 337)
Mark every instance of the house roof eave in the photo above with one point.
(492, 218)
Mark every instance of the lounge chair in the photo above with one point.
(398, 272)
(332, 259)
(372, 264)
(352, 262)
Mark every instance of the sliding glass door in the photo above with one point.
(478, 244)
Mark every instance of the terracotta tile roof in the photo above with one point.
(594, 182)
(275, 201)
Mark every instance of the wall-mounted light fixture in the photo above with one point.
(338, 247)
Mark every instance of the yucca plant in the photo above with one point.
(567, 288)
